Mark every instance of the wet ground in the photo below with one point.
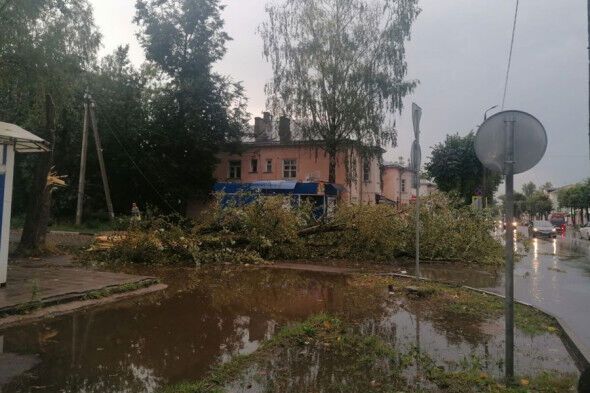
(554, 276)
(206, 318)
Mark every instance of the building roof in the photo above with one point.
(297, 143)
(396, 165)
(23, 140)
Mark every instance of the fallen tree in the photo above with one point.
(270, 229)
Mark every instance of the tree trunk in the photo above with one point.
(332, 167)
(37, 217)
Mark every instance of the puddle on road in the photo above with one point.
(206, 318)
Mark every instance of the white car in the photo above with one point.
(585, 232)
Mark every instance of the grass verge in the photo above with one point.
(358, 362)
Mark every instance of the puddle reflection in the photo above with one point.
(203, 319)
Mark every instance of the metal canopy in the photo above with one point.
(23, 140)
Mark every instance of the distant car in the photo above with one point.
(542, 228)
(514, 224)
(585, 231)
(558, 220)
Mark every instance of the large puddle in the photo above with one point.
(206, 318)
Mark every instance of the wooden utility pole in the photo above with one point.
(103, 170)
(90, 116)
(83, 157)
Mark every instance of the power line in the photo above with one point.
(140, 170)
(510, 54)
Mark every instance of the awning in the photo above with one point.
(264, 187)
(24, 141)
(279, 186)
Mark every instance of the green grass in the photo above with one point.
(454, 302)
(358, 355)
(473, 379)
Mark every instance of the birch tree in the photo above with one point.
(339, 68)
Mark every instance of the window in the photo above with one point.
(290, 169)
(235, 169)
(269, 166)
(254, 165)
(366, 171)
(403, 185)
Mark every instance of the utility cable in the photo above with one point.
(140, 170)
(510, 55)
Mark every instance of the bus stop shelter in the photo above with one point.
(13, 139)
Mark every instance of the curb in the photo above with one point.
(65, 298)
(74, 306)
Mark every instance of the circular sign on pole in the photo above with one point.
(529, 141)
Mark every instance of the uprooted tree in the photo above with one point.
(339, 68)
(266, 229)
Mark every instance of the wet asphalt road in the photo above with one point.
(555, 277)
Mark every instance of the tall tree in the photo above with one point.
(339, 67)
(194, 110)
(46, 46)
(454, 166)
(528, 189)
(118, 90)
(547, 186)
(538, 204)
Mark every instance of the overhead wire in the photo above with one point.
(141, 172)
(510, 54)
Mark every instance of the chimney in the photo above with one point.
(284, 129)
(258, 128)
(263, 128)
(267, 126)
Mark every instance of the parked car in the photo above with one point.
(585, 231)
(558, 220)
(542, 228)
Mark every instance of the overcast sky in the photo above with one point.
(459, 52)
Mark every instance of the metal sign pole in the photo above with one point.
(503, 148)
(418, 223)
(509, 210)
(416, 163)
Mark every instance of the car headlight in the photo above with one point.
(554, 230)
(514, 224)
(535, 229)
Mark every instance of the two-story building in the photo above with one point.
(268, 159)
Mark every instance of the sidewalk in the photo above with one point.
(34, 285)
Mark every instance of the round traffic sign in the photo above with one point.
(529, 143)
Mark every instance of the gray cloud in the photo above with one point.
(458, 51)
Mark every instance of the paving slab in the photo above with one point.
(56, 284)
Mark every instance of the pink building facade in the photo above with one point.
(397, 183)
(302, 161)
(278, 157)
